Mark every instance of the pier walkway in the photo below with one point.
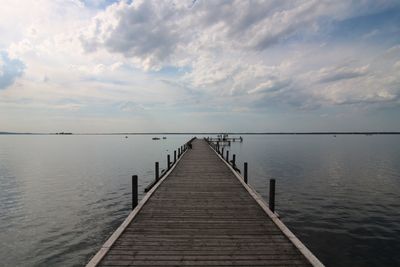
(202, 214)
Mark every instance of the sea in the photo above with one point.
(62, 196)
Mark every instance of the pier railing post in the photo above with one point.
(245, 172)
(168, 161)
(233, 160)
(272, 195)
(157, 171)
(174, 156)
(179, 152)
(134, 191)
(222, 152)
(227, 156)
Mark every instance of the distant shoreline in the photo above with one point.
(214, 133)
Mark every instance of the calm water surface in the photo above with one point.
(62, 196)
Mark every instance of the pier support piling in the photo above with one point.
(227, 156)
(245, 172)
(168, 161)
(174, 156)
(272, 195)
(134, 191)
(157, 171)
(234, 160)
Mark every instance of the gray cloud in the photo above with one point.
(130, 106)
(146, 30)
(271, 85)
(10, 70)
(341, 73)
(154, 32)
(230, 48)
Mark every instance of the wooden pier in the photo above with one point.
(201, 213)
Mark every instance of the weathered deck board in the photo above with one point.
(202, 215)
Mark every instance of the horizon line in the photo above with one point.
(203, 133)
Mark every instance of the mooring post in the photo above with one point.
(179, 152)
(134, 191)
(233, 160)
(272, 195)
(245, 172)
(157, 171)
(168, 161)
(222, 152)
(174, 156)
(227, 156)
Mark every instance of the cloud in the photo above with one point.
(10, 70)
(240, 48)
(269, 86)
(333, 74)
(144, 30)
(155, 34)
(130, 106)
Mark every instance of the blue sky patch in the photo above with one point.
(10, 70)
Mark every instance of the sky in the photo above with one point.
(195, 66)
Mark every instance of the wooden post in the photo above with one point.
(134, 191)
(272, 195)
(174, 156)
(222, 152)
(157, 171)
(233, 160)
(227, 156)
(168, 162)
(245, 172)
(179, 152)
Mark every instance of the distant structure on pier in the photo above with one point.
(223, 139)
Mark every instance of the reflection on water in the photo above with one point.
(341, 196)
(62, 196)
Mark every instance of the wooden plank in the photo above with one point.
(200, 214)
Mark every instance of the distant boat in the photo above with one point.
(334, 135)
(126, 136)
(164, 137)
(155, 138)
